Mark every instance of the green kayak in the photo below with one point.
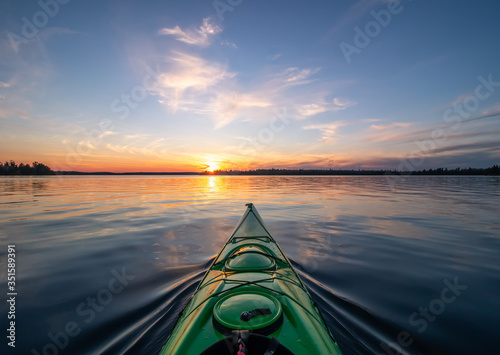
(251, 301)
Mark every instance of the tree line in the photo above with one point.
(494, 170)
(36, 168)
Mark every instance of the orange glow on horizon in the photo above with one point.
(212, 166)
(193, 162)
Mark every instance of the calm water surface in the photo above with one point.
(105, 264)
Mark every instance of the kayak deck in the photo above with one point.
(251, 275)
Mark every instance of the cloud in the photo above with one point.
(469, 147)
(29, 72)
(199, 37)
(461, 159)
(311, 110)
(328, 130)
(274, 57)
(337, 104)
(229, 44)
(143, 144)
(342, 103)
(50, 32)
(391, 126)
(188, 74)
(227, 106)
(451, 131)
(355, 12)
(488, 112)
(298, 76)
(193, 84)
(421, 65)
(191, 72)
(12, 112)
(275, 82)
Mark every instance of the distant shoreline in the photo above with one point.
(39, 169)
(126, 173)
(495, 170)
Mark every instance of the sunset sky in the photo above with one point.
(189, 85)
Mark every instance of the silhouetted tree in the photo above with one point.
(11, 168)
(494, 170)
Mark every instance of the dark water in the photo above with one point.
(105, 264)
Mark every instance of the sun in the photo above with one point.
(212, 166)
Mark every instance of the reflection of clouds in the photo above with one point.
(195, 243)
(325, 245)
(172, 255)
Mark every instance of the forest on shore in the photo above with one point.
(36, 168)
(494, 170)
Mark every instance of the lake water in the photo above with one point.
(105, 264)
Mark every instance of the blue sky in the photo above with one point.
(189, 85)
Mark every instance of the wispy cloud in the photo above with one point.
(275, 56)
(391, 126)
(355, 12)
(29, 72)
(305, 95)
(490, 111)
(337, 104)
(201, 36)
(143, 144)
(50, 32)
(193, 84)
(464, 159)
(188, 75)
(311, 109)
(421, 65)
(328, 130)
(492, 146)
(192, 72)
(475, 127)
(227, 106)
(298, 76)
(229, 44)
(10, 112)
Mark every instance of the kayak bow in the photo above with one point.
(251, 301)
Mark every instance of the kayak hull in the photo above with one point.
(251, 274)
